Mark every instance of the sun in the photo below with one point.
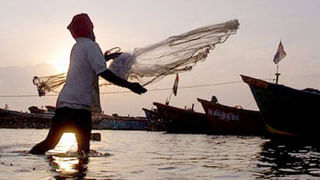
(61, 65)
(60, 62)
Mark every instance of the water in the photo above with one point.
(157, 155)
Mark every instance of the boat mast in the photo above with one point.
(168, 99)
(277, 73)
(174, 89)
(280, 54)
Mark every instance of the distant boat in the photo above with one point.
(154, 120)
(287, 111)
(233, 120)
(16, 119)
(178, 120)
(117, 122)
(36, 110)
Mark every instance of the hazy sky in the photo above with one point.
(35, 41)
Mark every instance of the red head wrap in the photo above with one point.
(81, 25)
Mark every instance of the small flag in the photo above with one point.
(280, 54)
(175, 85)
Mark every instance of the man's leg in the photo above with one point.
(83, 130)
(53, 137)
(83, 139)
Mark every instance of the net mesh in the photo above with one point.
(149, 64)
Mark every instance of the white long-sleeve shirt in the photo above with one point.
(81, 90)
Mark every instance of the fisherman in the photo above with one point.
(80, 94)
(214, 100)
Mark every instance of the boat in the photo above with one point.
(178, 120)
(232, 120)
(154, 120)
(41, 120)
(116, 122)
(286, 111)
(17, 119)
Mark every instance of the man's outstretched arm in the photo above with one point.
(111, 77)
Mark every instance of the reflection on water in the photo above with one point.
(289, 159)
(71, 164)
(157, 156)
(74, 167)
(65, 160)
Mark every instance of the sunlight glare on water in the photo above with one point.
(65, 165)
(64, 157)
(67, 143)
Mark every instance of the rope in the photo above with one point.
(127, 91)
(124, 92)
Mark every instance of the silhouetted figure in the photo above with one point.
(80, 94)
(214, 99)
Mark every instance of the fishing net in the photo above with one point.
(150, 64)
(48, 83)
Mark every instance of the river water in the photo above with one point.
(158, 155)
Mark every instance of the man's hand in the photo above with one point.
(137, 88)
(112, 53)
(107, 57)
(111, 77)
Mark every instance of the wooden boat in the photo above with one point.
(154, 120)
(233, 120)
(179, 120)
(117, 122)
(286, 111)
(16, 119)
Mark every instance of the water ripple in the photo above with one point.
(157, 155)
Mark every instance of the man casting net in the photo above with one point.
(150, 64)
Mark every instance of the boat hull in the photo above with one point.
(16, 119)
(286, 111)
(231, 120)
(154, 120)
(179, 120)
